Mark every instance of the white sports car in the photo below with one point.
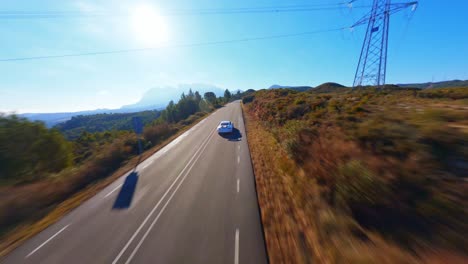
(225, 127)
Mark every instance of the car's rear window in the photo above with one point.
(224, 123)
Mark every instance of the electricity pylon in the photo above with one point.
(372, 64)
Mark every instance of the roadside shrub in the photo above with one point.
(447, 145)
(388, 137)
(386, 160)
(248, 99)
(189, 120)
(451, 93)
(29, 151)
(429, 116)
(113, 156)
(297, 111)
(357, 186)
(334, 106)
(157, 133)
(289, 137)
(299, 101)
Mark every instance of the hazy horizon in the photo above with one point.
(186, 85)
(112, 80)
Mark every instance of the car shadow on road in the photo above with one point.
(125, 197)
(235, 135)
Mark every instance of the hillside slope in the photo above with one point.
(361, 176)
(103, 122)
(444, 84)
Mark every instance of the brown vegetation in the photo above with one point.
(28, 208)
(361, 176)
(43, 176)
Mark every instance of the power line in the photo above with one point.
(13, 12)
(186, 45)
(199, 9)
(180, 12)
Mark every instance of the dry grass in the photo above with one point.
(289, 232)
(29, 228)
(296, 190)
(298, 227)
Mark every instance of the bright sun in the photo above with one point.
(148, 26)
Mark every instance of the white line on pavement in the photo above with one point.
(164, 207)
(238, 159)
(52, 237)
(236, 249)
(159, 202)
(115, 189)
(238, 185)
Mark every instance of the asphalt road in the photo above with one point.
(193, 201)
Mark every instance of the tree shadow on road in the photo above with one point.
(125, 197)
(235, 135)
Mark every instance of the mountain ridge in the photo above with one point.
(158, 97)
(155, 98)
(433, 85)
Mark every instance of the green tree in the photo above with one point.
(191, 95)
(204, 106)
(210, 97)
(28, 150)
(198, 97)
(227, 95)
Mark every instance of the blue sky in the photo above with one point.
(432, 46)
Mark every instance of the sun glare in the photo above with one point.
(148, 26)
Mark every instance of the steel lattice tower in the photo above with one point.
(372, 64)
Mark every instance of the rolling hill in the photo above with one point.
(154, 99)
(444, 84)
(103, 122)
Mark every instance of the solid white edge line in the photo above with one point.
(159, 202)
(236, 249)
(43, 244)
(115, 189)
(162, 209)
(238, 182)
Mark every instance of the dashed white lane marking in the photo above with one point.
(169, 146)
(200, 149)
(238, 181)
(236, 249)
(165, 205)
(47, 241)
(115, 189)
(238, 159)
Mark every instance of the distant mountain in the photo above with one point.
(103, 122)
(160, 96)
(328, 87)
(325, 87)
(297, 88)
(51, 119)
(277, 86)
(331, 86)
(444, 84)
(154, 99)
